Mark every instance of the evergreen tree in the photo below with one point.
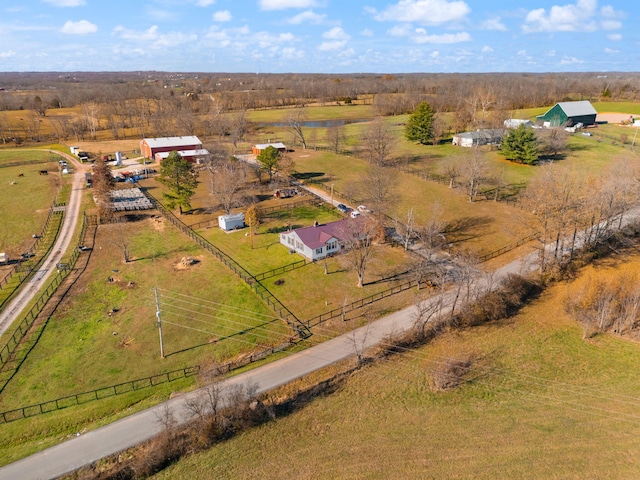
(268, 159)
(520, 145)
(181, 178)
(419, 127)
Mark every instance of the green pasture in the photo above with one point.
(105, 332)
(540, 403)
(25, 199)
(28, 436)
(267, 252)
(308, 291)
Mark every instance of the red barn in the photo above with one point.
(256, 149)
(150, 146)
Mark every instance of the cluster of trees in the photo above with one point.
(609, 301)
(572, 210)
(152, 103)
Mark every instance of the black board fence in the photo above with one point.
(262, 291)
(7, 357)
(137, 384)
(97, 394)
(17, 268)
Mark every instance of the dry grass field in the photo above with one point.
(540, 402)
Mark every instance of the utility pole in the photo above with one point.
(159, 323)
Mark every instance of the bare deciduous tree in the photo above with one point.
(475, 170)
(379, 142)
(357, 235)
(295, 120)
(336, 138)
(228, 179)
(378, 189)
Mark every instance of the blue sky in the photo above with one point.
(320, 36)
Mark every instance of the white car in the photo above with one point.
(363, 209)
(354, 213)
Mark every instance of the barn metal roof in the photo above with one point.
(577, 109)
(277, 146)
(165, 142)
(184, 153)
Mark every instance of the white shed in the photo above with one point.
(4, 258)
(232, 221)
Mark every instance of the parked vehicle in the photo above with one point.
(343, 208)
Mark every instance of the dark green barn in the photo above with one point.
(569, 114)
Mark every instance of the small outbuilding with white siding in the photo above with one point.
(233, 221)
(479, 137)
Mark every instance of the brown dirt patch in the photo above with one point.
(612, 117)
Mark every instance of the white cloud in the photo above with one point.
(222, 16)
(337, 39)
(154, 37)
(427, 12)
(308, 16)
(614, 37)
(7, 54)
(66, 3)
(204, 3)
(284, 4)
(611, 50)
(422, 37)
(366, 33)
(611, 24)
(147, 35)
(400, 31)
(487, 49)
(334, 45)
(336, 33)
(583, 16)
(493, 24)
(570, 61)
(83, 27)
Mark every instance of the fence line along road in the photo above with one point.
(131, 431)
(13, 309)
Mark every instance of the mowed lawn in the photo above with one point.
(25, 197)
(541, 402)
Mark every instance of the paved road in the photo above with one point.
(128, 432)
(14, 308)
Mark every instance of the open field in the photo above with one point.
(107, 326)
(541, 403)
(104, 333)
(25, 199)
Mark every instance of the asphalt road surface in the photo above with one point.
(128, 432)
(14, 308)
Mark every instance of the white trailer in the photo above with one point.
(232, 221)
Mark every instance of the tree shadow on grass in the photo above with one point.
(307, 175)
(465, 228)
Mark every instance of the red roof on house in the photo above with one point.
(318, 236)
